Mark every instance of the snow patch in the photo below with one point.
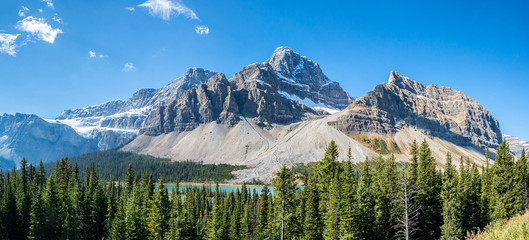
(329, 110)
(88, 125)
(309, 103)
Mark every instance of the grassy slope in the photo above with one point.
(515, 228)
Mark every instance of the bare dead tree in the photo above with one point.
(407, 222)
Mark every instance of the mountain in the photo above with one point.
(259, 119)
(516, 145)
(116, 122)
(29, 136)
(286, 88)
(437, 111)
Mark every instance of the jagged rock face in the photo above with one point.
(222, 101)
(116, 122)
(29, 136)
(296, 77)
(437, 111)
(282, 90)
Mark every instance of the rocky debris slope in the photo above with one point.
(437, 111)
(23, 135)
(265, 149)
(116, 122)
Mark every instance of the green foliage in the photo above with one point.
(113, 163)
(506, 187)
(341, 200)
(451, 228)
(378, 145)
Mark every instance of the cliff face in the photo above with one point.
(222, 101)
(284, 89)
(437, 111)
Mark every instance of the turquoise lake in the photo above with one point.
(224, 188)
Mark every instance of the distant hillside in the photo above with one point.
(115, 163)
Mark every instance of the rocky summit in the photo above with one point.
(437, 111)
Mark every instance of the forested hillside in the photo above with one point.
(113, 163)
(376, 199)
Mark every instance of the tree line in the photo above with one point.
(111, 163)
(375, 199)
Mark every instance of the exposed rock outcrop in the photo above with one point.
(437, 111)
(223, 101)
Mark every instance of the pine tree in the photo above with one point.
(263, 217)
(38, 218)
(428, 189)
(486, 187)
(364, 215)
(385, 190)
(506, 199)
(331, 230)
(51, 201)
(159, 217)
(284, 189)
(328, 166)
(452, 225)
(312, 222)
(414, 163)
(130, 180)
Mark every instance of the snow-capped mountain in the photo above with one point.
(116, 122)
(29, 136)
(286, 73)
(300, 79)
(516, 145)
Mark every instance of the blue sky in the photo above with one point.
(59, 54)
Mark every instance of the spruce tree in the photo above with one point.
(452, 225)
(312, 222)
(428, 189)
(160, 210)
(506, 197)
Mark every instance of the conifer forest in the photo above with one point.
(375, 199)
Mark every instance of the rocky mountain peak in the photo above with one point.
(292, 66)
(394, 78)
(436, 110)
(403, 82)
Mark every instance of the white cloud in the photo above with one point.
(130, 9)
(40, 10)
(22, 12)
(7, 43)
(129, 67)
(39, 27)
(93, 54)
(202, 30)
(49, 3)
(166, 8)
(57, 19)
